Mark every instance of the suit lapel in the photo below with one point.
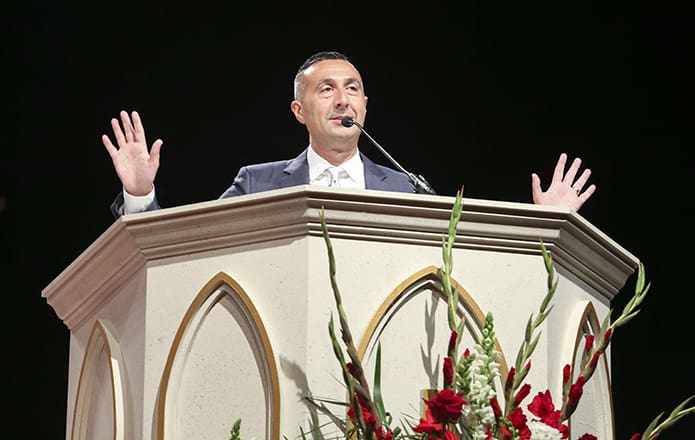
(374, 177)
(296, 172)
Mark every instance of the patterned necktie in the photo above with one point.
(335, 176)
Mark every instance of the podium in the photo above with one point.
(185, 319)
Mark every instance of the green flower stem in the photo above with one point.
(452, 296)
(532, 334)
(604, 338)
(349, 380)
(655, 428)
(447, 257)
(357, 372)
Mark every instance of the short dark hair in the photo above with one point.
(313, 59)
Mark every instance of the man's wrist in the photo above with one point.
(133, 204)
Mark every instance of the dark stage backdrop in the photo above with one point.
(469, 95)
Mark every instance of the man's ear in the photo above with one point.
(297, 109)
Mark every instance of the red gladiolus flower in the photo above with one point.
(522, 393)
(433, 430)
(380, 435)
(369, 419)
(495, 407)
(510, 376)
(448, 372)
(524, 433)
(635, 436)
(542, 405)
(566, 373)
(446, 405)
(594, 360)
(589, 343)
(518, 420)
(576, 390)
(504, 431)
(466, 353)
(452, 341)
(564, 430)
(528, 366)
(428, 425)
(607, 336)
(587, 437)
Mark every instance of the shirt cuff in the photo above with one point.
(133, 204)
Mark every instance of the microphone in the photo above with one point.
(420, 184)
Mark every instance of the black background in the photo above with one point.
(475, 93)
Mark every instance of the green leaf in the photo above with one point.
(378, 400)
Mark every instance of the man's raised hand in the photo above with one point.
(135, 165)
(564, 190)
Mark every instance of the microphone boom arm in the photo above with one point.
(419, 183)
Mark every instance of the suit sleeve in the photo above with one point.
(240, 185)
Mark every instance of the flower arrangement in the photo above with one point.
(467, 407)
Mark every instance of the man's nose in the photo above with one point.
(341, 98)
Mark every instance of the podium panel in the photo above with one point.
(186, 319)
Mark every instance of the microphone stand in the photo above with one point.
(420, 184)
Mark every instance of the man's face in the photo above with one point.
(333, 89)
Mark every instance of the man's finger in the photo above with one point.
(569, 177)
(560, 168)
(139, 133)
(579, 184)
(110, 148)
(117, 132)
(127, 126)
(154, 151)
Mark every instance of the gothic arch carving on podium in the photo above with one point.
(595, 410)
(419, 301)
(101, 393)
(197, 369)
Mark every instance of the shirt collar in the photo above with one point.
(317, 165)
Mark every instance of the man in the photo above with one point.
(327, 88)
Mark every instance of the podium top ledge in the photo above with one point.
(134, 240)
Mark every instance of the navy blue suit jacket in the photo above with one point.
(293, 172)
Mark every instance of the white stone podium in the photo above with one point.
(186, 319)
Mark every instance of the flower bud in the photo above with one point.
(452, 341)
(576, 390)
(566, 374)
(594, 360)
(510, 376)
(607, 336)
(448, 372)
(522, 393)
(589, 342)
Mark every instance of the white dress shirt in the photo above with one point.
(349, 175)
